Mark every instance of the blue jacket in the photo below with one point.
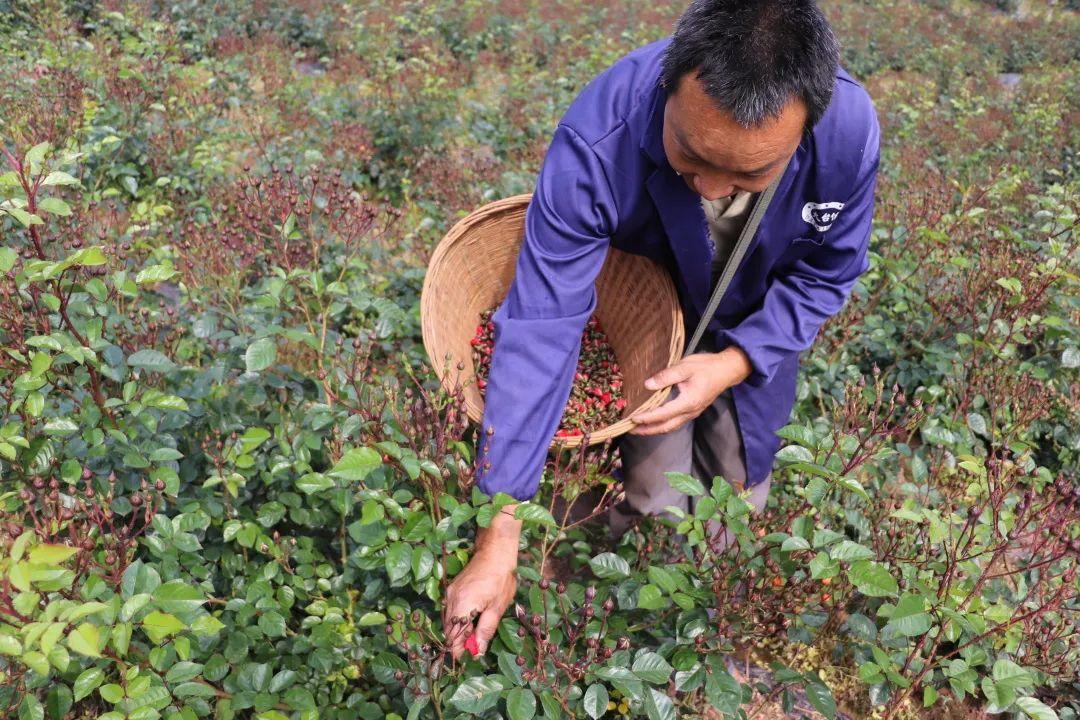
(606, 181)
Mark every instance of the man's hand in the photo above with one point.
(700, 378)
(480, 594)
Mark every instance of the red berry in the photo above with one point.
(471, 645)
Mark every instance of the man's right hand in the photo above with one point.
(481, 593)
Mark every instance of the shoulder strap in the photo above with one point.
(733, 261)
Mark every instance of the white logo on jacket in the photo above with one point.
(821, 215)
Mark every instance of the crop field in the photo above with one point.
(231, 485)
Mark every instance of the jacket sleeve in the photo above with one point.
(807, 292)
(568, 226)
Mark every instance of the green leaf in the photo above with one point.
(60, 426)
(252, 438)
(652, 668)
(821, 698)
(872, 579)
(59, 177)
(658, 706)
(111, 693)
(300, 698)
(155, 273)
(793, 454)
(85, 640)
(687, 485)
(133, 605)
(531, 512)
(19, 576)
(158, 625)
(908, 618)
(477, 694)
(36, 662)
(56, 206)
(165, 402)
(51, 554)
(88, 257)
(609, 565)
(8, 258)
(794, 543)
(663, 578)
(371, 618)
(650, 598)
(207, 625)
(398, 562)
(58, 701)
(25, 218)
(799, 434)
(177, 597)
(35, 156)
(150, 360)
(1011, 675)
(260, 354)
(40, 363)
(1035, 709)
(313, 483)
(849, 551)
(999, 696)
(520, 704)
(10, 645)
(596, 700)
(50, 636)
(356, 464)
(823, 566)
(130, 184)
(88, 681)
(1011, 284)
(272, 624)
(30, 708)
(183, 671)
(624, 681)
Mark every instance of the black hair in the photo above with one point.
(754, 56)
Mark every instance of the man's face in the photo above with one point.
(716, 155)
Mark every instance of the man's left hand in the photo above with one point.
(700, 378)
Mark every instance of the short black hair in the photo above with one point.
(754, 56)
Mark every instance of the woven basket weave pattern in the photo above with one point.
(471, 271)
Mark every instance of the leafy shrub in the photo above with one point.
(230, 487)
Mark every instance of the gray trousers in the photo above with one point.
(708, 446)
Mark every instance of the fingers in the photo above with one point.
(668, 376)
(679, 406)
(659, 428)
(455, 635)
(486, 628)
(457, 624)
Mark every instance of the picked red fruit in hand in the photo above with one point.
(596, 398)
(471, 645)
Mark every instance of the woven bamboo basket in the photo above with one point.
(471, 271)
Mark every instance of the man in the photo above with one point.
(664, 154)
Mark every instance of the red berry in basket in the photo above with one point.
(596, 396)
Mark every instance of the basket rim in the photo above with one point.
(458, 231)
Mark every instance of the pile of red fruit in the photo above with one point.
(596, 398)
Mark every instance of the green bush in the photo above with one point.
(230, 486)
